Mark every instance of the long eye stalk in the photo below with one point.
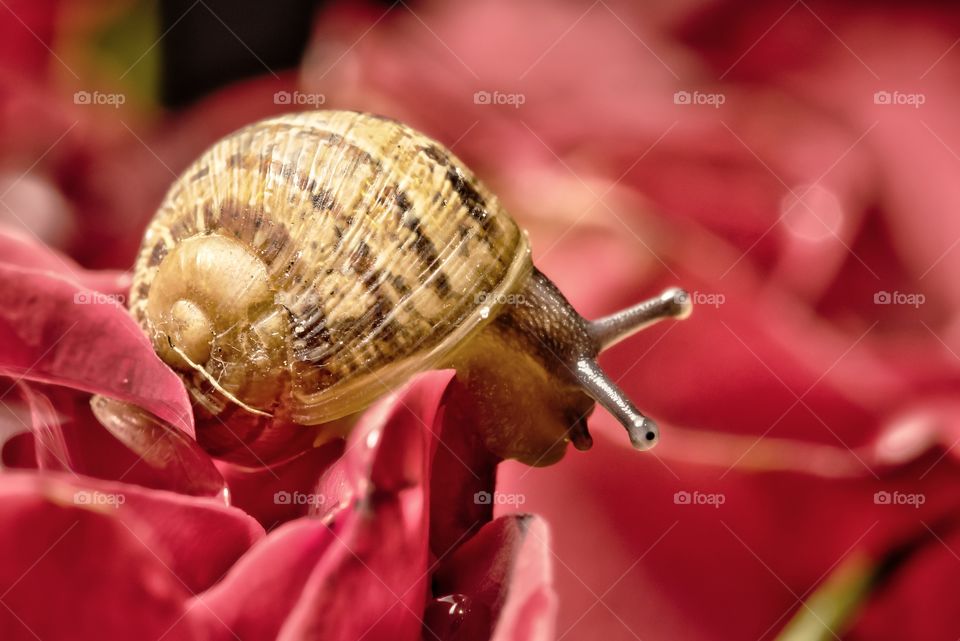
(672, 303)
(643, 432)
(609, 330)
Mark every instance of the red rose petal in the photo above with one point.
(198, 539)
(53, 331)
(463, 469)
(255, 598)
(361, 571)
(166, 457)
(503, 580)
(371, 582)
(282, 492)
(529, 613)
(154, 455)
(387, 459)
(19, 452)
(27, 41)
(914, 595)
(112, 560)
(17, 249)
(621, 531)
(50, 445)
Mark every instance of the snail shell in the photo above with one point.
(308, 263)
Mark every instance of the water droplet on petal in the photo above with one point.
(456, 617)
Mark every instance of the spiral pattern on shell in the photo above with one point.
(308, 263)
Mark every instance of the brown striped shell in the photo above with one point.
(307, 263)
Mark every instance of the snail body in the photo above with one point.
(307, 264)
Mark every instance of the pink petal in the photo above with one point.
(372, 579)
(256, 597)
(166, 457)
(51, 451)
(498, 585)
(621, 531)
(915, 593)
(27, 41)
(530, 611)
(97, 348)
(411, 413)
(19, 452)
(463, 468)
(54, 331)
(20, 250)
(154, 455)
(113, 561)
(279, 493)
(362, 569)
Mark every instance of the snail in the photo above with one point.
(307, 263)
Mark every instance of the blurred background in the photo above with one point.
(792, 164)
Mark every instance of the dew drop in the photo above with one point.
(456, 617)
(484, 312)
